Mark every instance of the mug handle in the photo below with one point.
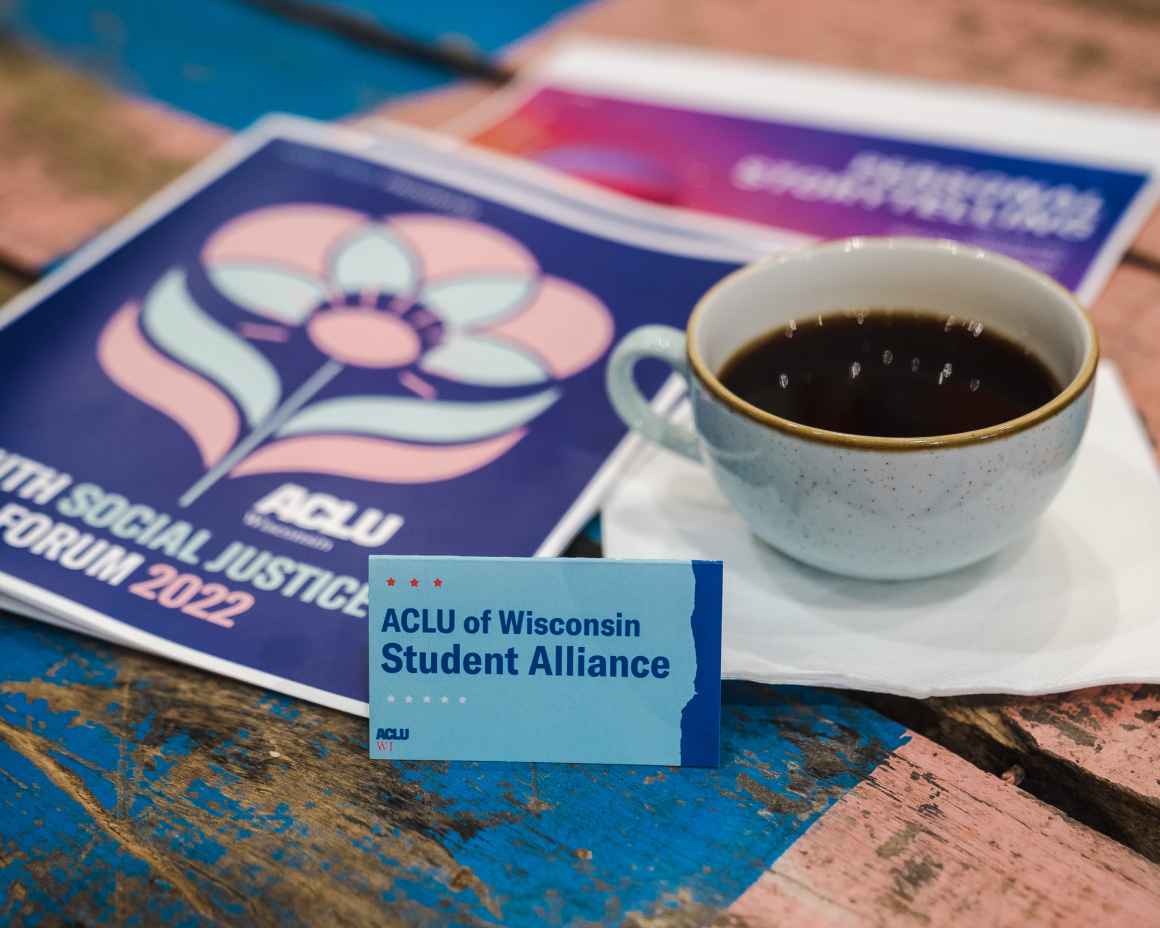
(650, 341)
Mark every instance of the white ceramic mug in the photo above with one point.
(881, 508)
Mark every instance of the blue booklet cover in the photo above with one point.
(317, 346)
(545, 659)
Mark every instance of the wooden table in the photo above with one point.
(136, 791)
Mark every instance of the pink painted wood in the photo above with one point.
(76, 156)
(928, 839)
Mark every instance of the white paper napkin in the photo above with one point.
(1076, 604)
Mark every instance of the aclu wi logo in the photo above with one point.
(385, 738)
(295, 513)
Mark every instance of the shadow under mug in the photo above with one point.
(864, 506)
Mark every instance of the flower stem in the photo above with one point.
(315, 382)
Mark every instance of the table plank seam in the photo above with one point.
(995, 746)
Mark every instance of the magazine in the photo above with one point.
(828, 154)
(319, 345)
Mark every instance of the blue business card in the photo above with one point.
(545, 659)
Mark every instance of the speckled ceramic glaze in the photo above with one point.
(881, 508)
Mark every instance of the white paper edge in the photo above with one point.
(687, 233)
(996, 121)
(82, 618)
(590, 497)
(852, 101)
(771, 677)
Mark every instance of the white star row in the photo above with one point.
(443, 699)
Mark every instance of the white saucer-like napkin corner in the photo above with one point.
(1075, 604)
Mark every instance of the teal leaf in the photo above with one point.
(472, 359)
(410, 419)
(478, 299)
(274, 292)
(374, 259)
(189, 335)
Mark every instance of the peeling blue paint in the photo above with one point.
(649, 831)
(549, 842)
(281, 706)
(198, 57)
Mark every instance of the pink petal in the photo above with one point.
(141, 371)
(449, 246)
(565, 325)
(299, 237)
(377, 459)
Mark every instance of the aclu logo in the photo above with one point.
(341, 519)
(385, 738)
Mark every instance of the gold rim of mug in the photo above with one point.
(1057, 404)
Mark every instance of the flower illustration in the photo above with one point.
(440, 295)
(426, 298)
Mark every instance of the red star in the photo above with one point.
(414, 582)
(438, 582)
(390, 581)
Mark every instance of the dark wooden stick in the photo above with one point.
(364, 31)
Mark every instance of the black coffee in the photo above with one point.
(889, 373)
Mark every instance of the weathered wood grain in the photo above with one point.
(926, 840)
(10, 285)
(1097, 52)
(136, 788)
(133, 788)
(75, 156)
(1127, 318)
(1092, 753)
